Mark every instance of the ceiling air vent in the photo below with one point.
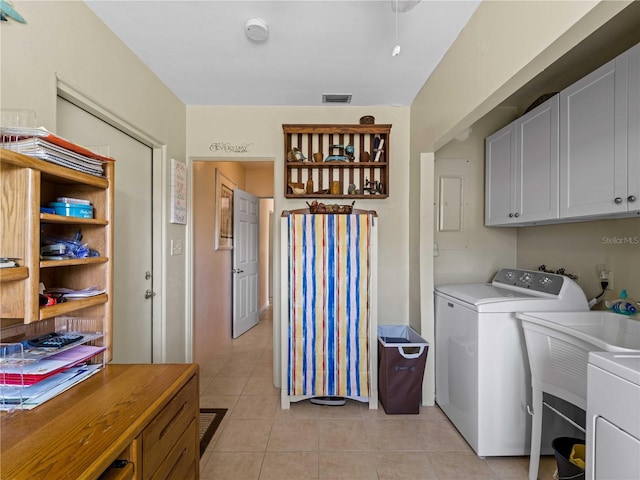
(336, 98)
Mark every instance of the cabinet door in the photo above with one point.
(592, 159)
(537, 163)
(500, 177)
(633, 139)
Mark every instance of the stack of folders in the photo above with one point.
(39, 143)
(29, 383)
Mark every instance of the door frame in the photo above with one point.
(158, 311)
(190, 269)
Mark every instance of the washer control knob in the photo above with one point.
(545, 280)
(525, 277)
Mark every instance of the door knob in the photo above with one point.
(149, 294)
(237, 270)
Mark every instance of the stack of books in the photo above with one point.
(40, 143)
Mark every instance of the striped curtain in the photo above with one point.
(329, 304)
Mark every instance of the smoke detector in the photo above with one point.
(256, 29)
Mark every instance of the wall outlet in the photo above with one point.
(610, 280)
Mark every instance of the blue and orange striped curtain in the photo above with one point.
(329, 270)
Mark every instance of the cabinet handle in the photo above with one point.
(517, 215)
(617, 200)
(511, 215)
(631, 198)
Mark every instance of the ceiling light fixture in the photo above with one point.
(396, 49)
(256, 29)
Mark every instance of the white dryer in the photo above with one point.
(613, 416)
(483, 382)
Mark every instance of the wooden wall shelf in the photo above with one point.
(360, 169)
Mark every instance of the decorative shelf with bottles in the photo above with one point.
(336, 161)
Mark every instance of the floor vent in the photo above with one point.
(336, 98)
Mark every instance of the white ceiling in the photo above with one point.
(200, 51)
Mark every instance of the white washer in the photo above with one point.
(482, 373)
(613, 416)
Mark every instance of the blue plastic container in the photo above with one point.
(72, 209)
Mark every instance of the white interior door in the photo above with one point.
(246, 241)
(133, 252)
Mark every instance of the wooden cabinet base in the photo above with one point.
(81, 432)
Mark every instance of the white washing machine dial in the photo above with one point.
(545, 281)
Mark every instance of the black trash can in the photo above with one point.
(562, 447)
(402, 355)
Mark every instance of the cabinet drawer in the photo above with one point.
(125, 473)
(181, 464)
(166, 429)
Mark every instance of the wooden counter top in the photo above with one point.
(79, 433)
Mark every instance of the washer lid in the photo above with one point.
(622, 364)
(481, 293)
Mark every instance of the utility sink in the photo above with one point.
(558, 346)
(606, 331)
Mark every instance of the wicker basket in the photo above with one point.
(332, 208)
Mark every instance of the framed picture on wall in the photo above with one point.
(224, 212)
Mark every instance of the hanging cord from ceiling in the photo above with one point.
(396, 49)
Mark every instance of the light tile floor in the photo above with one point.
(257, 440)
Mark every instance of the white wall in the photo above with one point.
(474, 253)
(261, 127)
(266, 215)
(66, 40)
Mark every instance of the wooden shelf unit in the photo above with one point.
(310, 139)
(27, 183)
